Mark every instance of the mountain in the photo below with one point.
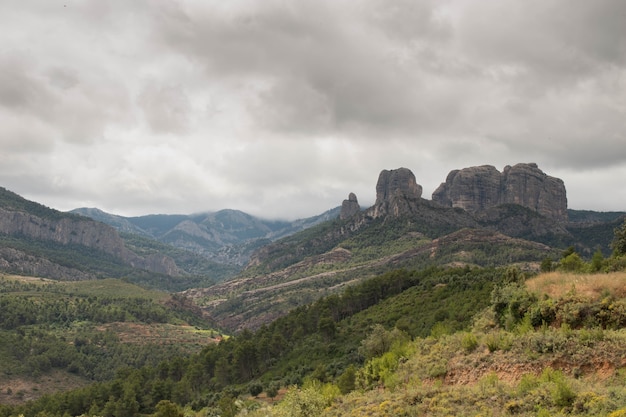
(519, 225)
(39, 241)
(226, 236)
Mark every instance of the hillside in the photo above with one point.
(76, 333)
(37, 240)
(437, 342)
(404, 230)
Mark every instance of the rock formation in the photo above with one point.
(397, 193)
(349, 207)
(22, 218)
(479, 188)
(397, 183)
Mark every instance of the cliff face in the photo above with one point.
(479, 188)
(397, 193)
(65, 231)
(80, 231)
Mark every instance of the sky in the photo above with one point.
(282, 108)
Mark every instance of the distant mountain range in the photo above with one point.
(171, 252)
(226, 236)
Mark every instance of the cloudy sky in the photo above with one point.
(282, 108)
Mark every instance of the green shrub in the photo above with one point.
(562, 393)
(498, 341)
(572, 263)
(469, 342)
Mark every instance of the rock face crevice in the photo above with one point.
(479, 188)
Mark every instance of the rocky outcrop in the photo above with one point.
(68, 229)
(64, 230)
(349, 207)
(528, 186)
(397, 183)
(479, 188)
(397, 193)
(472, 189)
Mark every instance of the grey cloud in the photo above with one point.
(63, 78)
(295, 104)
(20, 90)
(346, 73)
(166, 108)
(555, 42)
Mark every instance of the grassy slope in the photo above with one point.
(550, 370)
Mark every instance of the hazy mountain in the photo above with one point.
(226, 236)
(39, 241)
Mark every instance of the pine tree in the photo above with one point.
(619, 241)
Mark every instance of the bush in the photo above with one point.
(469, 342)
(255, 389)
(497, 341)
(572, 263)
(346, 382)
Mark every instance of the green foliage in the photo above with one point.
(546, 265)
(597, 261)
(469, 342)
(381, 341)
(166, 408)
(308, 401)
(255, 389)
(48, 325)
(272, 389)
(346, 381)
(619, 240)
(563, 394)
(510, 303)
(572, 263)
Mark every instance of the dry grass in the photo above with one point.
(594, 286)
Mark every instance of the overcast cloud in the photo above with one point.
(281, 109)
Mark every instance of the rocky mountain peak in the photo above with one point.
(397, 183)
(397, 192)
(349, 207)
(479, 188)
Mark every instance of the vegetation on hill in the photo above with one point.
(14, 202)
(198, 270)
(82, 330)
(440, 341)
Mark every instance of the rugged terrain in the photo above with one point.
(479, 217)
(405, 308)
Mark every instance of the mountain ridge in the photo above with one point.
(226, 236)
(401, 230)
